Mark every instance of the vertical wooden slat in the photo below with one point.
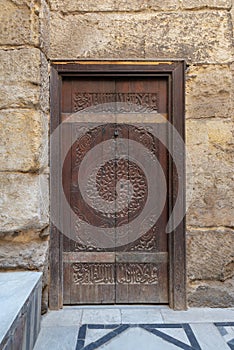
(177, 239)
(145, 291)
(55, 291)
(66, 143)
(88, 291)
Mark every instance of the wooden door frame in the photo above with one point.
(175, 72)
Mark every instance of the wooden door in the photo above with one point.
(136, 272)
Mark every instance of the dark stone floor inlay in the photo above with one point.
(227, 329)
(155, 329)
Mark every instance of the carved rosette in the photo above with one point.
(120, 183)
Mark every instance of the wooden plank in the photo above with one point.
(93, 288)
(135, 118)
(66, 140)
(178, 299)
(140, 276)
(89, 257)
(92, 283)
(139, 257)
(112, 257)
(141, 283)
(55, 290)
(114, 66)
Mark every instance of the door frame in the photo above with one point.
(175, 73)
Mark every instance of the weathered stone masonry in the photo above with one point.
(199, 31)
(24, 121)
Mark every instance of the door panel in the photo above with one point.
(136, 272)
(141, 271)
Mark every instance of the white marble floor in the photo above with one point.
(136, 327)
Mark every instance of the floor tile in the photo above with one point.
(177, 334)
(92, 335)
(105, 316)
(130, 327)
(200, 315)
(132, 336)
(226, 329)
(138, 339)
(62, 318)
(230, 334)
(141, 316)
(209, 337)
(116, 306)
(57, 338)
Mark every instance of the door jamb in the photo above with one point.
(177, 245)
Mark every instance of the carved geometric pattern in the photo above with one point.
(173, 336)
(146, 242)
(131, 177)
(107, 176)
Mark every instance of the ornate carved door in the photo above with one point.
(117, 183)
(111, 190)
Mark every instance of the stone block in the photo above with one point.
(97, 36)
(210, 144)
(24, 79)
(19, 24)
(19, 95)
(57, 337)
(92, 316)
(112, 5)
(31, 255)
(66, 6)
(196, 37)
(44, 98)
(213, 202)
(164, 5)
(210, 149)
(24, 236)
(23, 136)
(59, 318)
(22, 2)
(135, 5)
(44, 22)
(156, 5)
(210, 254)
(211, 294)
(24, 202)
(129, 316)
(197, 316)
(201, 4)
(208, 91)
(21, 65)
(232, 13)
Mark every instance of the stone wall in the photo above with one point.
(24, 120)
(199, 31)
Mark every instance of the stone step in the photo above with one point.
(20, 309)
